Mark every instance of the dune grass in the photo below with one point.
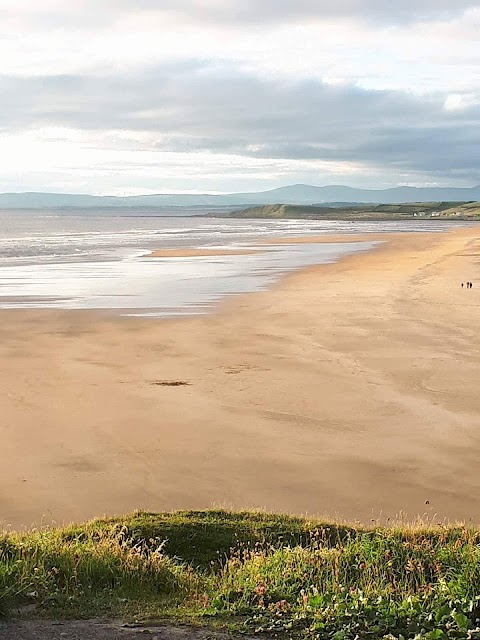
(252, 572)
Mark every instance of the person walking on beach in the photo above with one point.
(462, 285)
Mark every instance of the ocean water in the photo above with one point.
(98, 261)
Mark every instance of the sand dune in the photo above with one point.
(349, 390)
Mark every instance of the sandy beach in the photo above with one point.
(349, 390)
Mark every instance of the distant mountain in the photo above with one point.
(294, 194)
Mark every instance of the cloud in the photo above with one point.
(98, 13)
(196, 107)
(252, 11)
(239, 84)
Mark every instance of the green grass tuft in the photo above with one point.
(253, 572)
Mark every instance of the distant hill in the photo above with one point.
(294, 194)
(434, 210)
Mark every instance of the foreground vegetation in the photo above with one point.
(252, 572)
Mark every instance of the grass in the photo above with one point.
(252, 572)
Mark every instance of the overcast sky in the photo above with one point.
(152, 96)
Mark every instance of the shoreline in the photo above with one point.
(346, 390)
(182, 281)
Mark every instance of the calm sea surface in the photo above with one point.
(98, 261)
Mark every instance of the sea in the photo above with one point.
(94, 260)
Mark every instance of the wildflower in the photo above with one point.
(283, 606)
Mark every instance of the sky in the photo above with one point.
(125, 97)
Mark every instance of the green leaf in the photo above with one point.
(315, 601)
(444, 612)
(436, 634)
(462, 621)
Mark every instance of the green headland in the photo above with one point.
(345, 211)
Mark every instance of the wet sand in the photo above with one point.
(329, 238)
(198, 253)
(348, 390)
